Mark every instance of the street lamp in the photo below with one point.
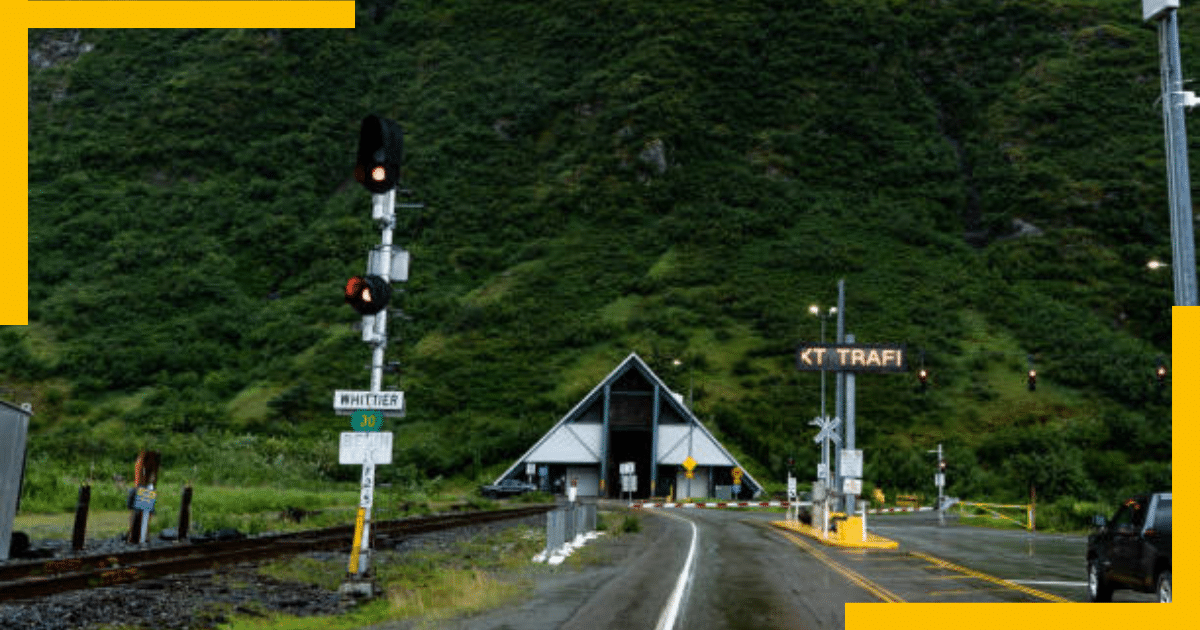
(816, 310)
(678, 363)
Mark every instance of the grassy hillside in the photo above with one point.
(677, 179)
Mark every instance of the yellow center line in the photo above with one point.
(988, 578)
(867, 585)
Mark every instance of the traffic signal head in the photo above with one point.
(368, 294)
(1032, 380)
(1161, 372)
(380, 148)
(942, 465)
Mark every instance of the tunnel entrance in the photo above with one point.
(629, 445)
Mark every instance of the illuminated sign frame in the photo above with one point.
(851, 357)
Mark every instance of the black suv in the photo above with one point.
(1133, 550)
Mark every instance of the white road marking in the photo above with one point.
(666, 621)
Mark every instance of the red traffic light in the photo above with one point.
(368, 294)
(380, 149)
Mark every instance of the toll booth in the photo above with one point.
(14, 425)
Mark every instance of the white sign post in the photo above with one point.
(628, 478)
(367, 448)
(365, 499)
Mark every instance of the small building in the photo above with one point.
(14, 425)
(631, 416)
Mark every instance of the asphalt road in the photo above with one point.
(746, 574)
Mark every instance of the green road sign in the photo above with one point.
(366, 420)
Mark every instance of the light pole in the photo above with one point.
(1174, 99)
(816, 310)
(678, 363)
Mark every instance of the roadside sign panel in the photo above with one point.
(346, 402)
(939, 480)
(852, 486)
(852, 463)
(355, 447)
(144, 499)
(689, 464)
(791, 487)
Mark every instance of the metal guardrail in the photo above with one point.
(567, 525)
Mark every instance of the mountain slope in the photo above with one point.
(680, 180)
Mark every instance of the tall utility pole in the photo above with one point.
(840, 386)
(1174, 99)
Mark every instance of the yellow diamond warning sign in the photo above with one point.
(689, 464)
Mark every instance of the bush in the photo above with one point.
(534, 497)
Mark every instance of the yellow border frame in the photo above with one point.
(14, 217)
(340, 14)
(1185, 359)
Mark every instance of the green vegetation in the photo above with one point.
(426, 584)
(677, 179)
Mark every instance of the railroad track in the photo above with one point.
(38, 579)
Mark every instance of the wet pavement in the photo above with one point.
(749, 575)
(1054, 563)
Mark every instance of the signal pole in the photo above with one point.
(940, 480)
(380, 149)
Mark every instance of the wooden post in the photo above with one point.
(81, 512)
(145, 472)
(135, 517)
(185, 510)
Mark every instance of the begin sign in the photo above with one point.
(851, 357)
